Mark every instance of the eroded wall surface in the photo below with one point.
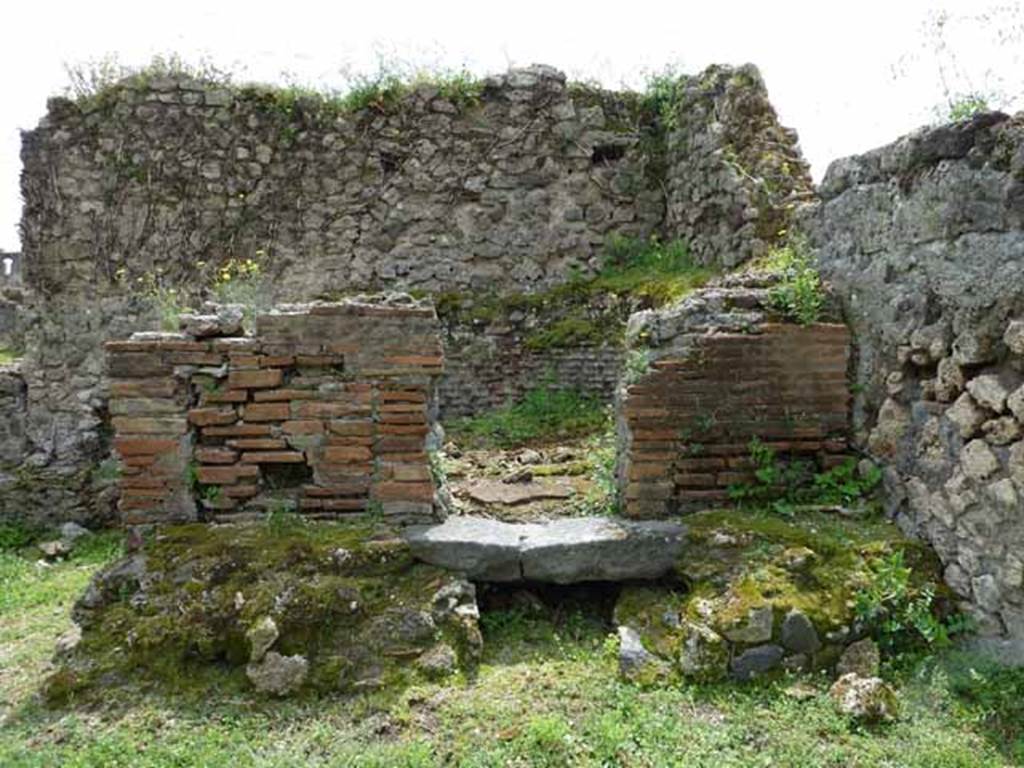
(325, 411)
(924, 241)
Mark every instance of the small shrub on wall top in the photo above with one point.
(800, 295)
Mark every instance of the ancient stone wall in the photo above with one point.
(326, 410)
(155, 184)
(12, 416)
(734, 174)
(924, 241)
(723, 371)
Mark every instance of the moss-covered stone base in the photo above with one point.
(308, 607)
(762, 593)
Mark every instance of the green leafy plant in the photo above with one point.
(783, 486)
(966, 106)
(898, 612)
(801, 294)
(636, 365)
(438, 471)
(663, 96)
(91, 81)
(281, 517)
(212, 493)
(107, 472)
(192, 475)
(992, 694)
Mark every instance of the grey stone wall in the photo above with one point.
(423, 194)
(164, 180)
(734, 174)
(924, 240)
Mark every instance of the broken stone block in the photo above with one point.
(861, 658)
(864, 698)
(1014, 337)
(991, 390)
(1016, 463)
(563, 551)
(1003, 493)
(798, 634)
(440, 661)
(1015, 402)
(973, 348)
(636, 662)
(703, 654)
(1001, 431)
(278, 675)
(756, 661)
(893, 422)
(949, 380)
(261, 636)
(510, 491)
(966, 416)
(52, 550)
(978, 461)
(756, 629)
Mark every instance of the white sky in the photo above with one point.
(828, 65)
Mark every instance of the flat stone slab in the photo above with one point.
(563, 551)
(511, 494)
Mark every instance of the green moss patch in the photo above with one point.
(351, 601)
(738, 562)
(635, 274)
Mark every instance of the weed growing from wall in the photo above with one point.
(663, 95)
(967, 106)
(636, 365)
(165, 300)
(899, 613)
(801, 294)
(243, 282)
(785, 486)
(91, 82)
(601, 452)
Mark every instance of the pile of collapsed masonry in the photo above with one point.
(335, 607)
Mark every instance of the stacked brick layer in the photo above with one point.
(326, 409)
(691, 420)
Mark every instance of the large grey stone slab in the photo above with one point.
(484, 549)
(564, 551)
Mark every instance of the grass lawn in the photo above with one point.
(545, 695)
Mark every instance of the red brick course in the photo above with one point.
(691, 420)
(321, 389)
